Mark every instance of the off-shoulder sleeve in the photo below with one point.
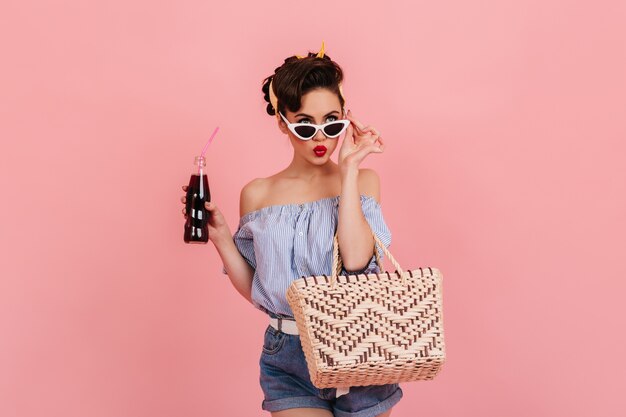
(374, 216)
(244, 242)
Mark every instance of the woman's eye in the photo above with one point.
(309, 121)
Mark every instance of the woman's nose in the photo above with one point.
(319, 135)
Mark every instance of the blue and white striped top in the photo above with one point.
(285, 242)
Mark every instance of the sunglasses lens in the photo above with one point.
(334, 129)
(305, 131)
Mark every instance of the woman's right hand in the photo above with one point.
(216, 223)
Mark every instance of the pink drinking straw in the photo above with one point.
(210, 139)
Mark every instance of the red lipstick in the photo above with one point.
(320, 150)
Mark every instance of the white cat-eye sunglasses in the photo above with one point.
(306, 131)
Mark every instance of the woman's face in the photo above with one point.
(319, 106)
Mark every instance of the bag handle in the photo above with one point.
(337, 262)
(340, 260)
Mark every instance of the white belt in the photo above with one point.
(284, 325)
(289, 326)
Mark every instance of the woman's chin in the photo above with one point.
(320, 160)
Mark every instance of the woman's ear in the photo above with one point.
(282, 125)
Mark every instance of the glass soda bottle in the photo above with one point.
(196, 229)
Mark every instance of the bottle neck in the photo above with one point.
(200, 163)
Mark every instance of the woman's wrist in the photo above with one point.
(348, 172)
(221, 239)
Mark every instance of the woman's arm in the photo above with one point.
(354, 234)
(238, 269)
(356, 241)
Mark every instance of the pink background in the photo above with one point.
(504, 168)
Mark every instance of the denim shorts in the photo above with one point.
(286, 383)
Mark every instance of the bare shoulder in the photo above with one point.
(369, 183)
(251, 195)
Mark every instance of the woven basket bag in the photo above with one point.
(372, 329)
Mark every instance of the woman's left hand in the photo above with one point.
(358, 142)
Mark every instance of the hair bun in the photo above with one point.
(266, 95)
(297, 76)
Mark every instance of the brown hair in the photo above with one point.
(297, 76)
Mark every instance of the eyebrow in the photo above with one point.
(304, 114)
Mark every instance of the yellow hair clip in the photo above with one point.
(273, 98)
(320, 54)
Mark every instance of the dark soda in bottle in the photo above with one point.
(196, 229)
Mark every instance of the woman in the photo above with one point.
(287, 225)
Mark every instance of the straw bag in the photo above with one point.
(370, 329)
